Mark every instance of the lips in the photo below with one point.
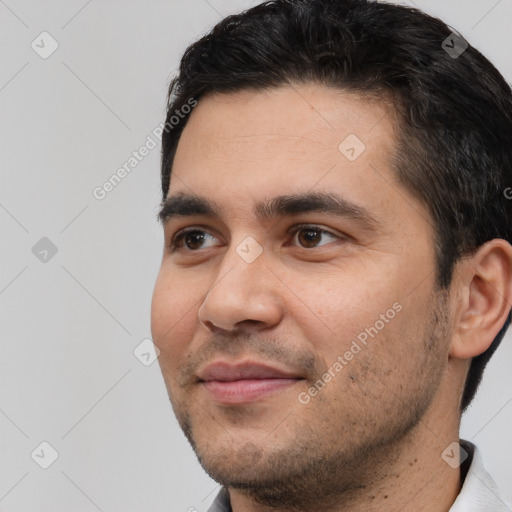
(243, 383)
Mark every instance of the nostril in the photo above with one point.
(216, 329)
(249, 323)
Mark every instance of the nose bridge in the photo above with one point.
(244, 263)
(243, 291)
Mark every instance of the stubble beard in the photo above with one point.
(314, 468)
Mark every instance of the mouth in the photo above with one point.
(244, 383)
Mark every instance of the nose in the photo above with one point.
(245, 294)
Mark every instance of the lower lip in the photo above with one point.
(245, 391)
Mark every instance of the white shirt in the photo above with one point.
(478, 494)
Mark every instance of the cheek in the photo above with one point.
(343, 305)
(173, 316)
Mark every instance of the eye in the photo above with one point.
(310, 236)
(192, 238)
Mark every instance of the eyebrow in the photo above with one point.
(188, 205)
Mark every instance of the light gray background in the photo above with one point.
(68, 375)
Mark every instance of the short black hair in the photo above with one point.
(454, 147)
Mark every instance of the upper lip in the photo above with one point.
(228, 372)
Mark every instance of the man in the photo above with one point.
(337, 268)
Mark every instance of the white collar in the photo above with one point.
(479, 493)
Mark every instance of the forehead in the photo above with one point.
(298, 118)
(242, 146)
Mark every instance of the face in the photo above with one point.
(296, 316)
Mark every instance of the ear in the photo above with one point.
(482, 289)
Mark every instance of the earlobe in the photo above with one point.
(483, 286)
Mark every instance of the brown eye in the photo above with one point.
(191, 240)
(310, 237)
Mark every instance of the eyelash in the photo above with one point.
(180, 235)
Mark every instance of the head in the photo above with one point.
(351, 118)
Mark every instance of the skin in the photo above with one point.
(372, 438)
